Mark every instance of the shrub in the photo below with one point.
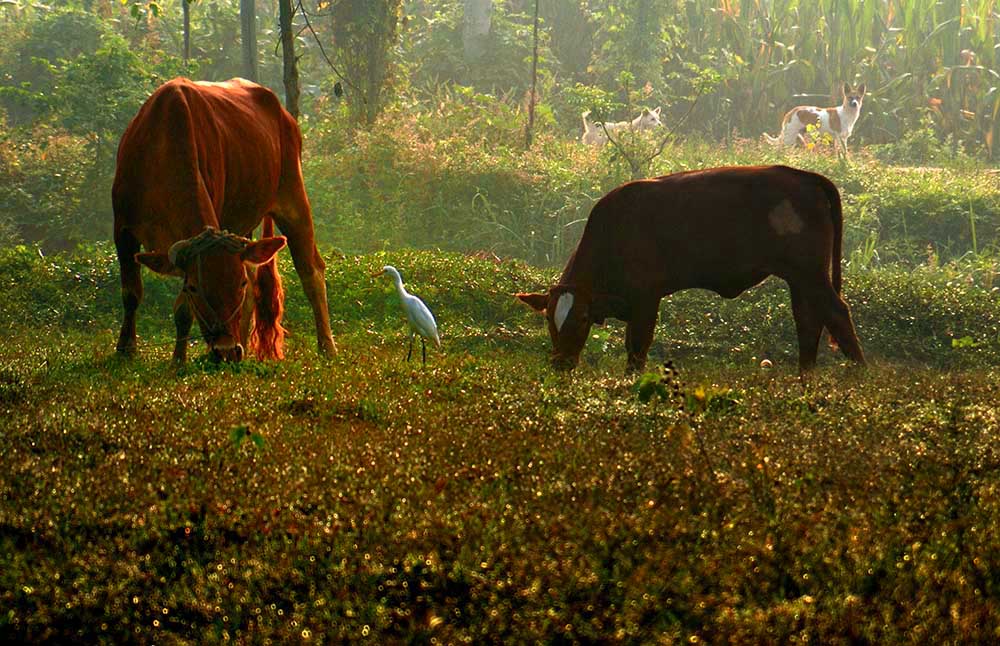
(50, 191)
(407, 183)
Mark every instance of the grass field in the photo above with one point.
(484, 497)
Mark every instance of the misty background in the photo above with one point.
(417, 115)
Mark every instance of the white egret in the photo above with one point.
(421, 320)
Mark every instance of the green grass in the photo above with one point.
(484, 497)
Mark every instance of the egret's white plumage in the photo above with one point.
(421, 320)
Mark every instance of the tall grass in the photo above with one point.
(917, 57)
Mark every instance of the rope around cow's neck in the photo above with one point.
(198, 315)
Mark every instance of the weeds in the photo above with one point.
(486, 496)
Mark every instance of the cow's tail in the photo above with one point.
(837, 219)
(268, 336)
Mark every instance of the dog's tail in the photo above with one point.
(586, 123)
(774, 141)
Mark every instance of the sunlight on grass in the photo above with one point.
(486, 495)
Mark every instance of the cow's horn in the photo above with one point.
(176, 252)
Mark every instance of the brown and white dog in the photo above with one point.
(593, 134)
(838, 122)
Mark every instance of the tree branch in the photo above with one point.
(322, 50)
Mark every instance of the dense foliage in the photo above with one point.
(442, 165)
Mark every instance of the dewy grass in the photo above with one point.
(485, 497)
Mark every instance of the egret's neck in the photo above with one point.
(399, 284)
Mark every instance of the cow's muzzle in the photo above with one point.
(227, 350)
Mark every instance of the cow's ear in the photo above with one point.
(263, 250)
(157, 261)
(537, 302)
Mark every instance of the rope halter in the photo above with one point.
(183, 252)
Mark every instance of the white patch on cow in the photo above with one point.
(784, 220)
(563, 306)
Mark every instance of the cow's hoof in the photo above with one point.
(129, 350)
(327, 348)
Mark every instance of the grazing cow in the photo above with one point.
(722, 229)
(199, 167)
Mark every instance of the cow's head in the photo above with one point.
(568, 313)
(216, 282)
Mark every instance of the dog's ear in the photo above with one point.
(861, 90)
(847, 89)
(656, 111)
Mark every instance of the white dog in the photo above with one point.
(593, 134)
(837, 122)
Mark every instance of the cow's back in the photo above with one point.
(701, 228)
(202, 153)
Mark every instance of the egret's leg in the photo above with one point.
(423, 350)
(410, 352)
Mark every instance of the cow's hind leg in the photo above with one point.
(808, 327)
(295, 221)
(837, 318)
(823, 302)
(639, 334)
(131, 280)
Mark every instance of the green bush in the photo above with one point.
(945, 316)
(51, 193)
(406, 183)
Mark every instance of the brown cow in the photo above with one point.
(199, 167)
(722, 229)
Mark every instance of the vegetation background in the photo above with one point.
(484, 498)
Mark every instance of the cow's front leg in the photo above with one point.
(127, 246)
(639, 335)
(182, 322)
(310, 267)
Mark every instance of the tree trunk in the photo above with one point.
(248, 33)
(534, 80)
(186, 6)
(476, 23)
(291, 70)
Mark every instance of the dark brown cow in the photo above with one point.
(199, 168)
(722, 229)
